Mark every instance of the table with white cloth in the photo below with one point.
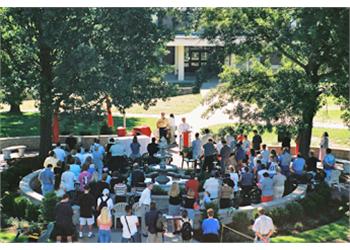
(127, 140)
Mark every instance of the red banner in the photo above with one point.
(110, 121)
(55, 128)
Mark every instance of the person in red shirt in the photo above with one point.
(193, 184)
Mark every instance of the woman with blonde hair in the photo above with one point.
(104, 223)
(175, 201)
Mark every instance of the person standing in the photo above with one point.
(225, 154)
(152, 149)
(196, 149)
(328, 163)
(210, 154)
(104, 223)
(246, 144)
(239, 155)
(118, 154)
(172, 126)
(298, 165)
(64, 220)
(263, 227)
(47, 179)
(194, 185)
(186, 225)
(212, 186)
(162, 125)
(265, 153)
(206, 136)
(311, 164)
(175, 200)
(324, 144)
(210, 227)
(135, 149)
(144, 203)
(104, 201)
(151, 218)
(97, 157)
(86, 202)
(59, 152)
(266, 186)
(71, 142)
(68, 180)
(278, 184)
(256, 141)
(183, 128)
(285, 159)
(51, 159)
(130, 223)
(85, 177)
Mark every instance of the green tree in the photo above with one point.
(313, 45)
(84, 55)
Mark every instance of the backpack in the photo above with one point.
(160, 223)
(186, 231)
(102, 204)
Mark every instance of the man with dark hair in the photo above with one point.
(256, 141)
(152, 148)
(102, 184)
(64, 222)
(86, 201)
(151, 218)
(130, 223)
(311, 163)
(210, 227)
(59, 152)
(266, 186)
(210, 153)
(225, 154)
(298, 165)
(71, 142)
(47, 179)
(328, 163)
(137, 177)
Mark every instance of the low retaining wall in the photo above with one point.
(33, 142)
(26, 189)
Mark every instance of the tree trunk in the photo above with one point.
(46, 107)
(15, 109)
(305, 133)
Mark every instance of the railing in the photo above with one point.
(223, 227)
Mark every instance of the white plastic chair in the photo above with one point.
(118, 212)
(334, 179)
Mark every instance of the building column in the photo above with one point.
(176, 64)
(181, 63)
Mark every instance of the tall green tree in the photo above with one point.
(85, 54)
(313, 44)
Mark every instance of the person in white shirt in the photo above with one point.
(183, 127)
(106, 199)
(265, 153)
(263, 227)
(261, 172)
(59, 152)
(80, 155)
(207, 135)
(212, 186)
(235, 178)
(172, 126)
(144, 203)
(51, 159)
(278, 184)
(273, 166)
(68, 180)
(130, 223)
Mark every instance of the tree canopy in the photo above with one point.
(80, 56)
(313, 47)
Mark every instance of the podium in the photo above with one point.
(186, 137)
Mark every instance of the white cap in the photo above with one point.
(105, 191)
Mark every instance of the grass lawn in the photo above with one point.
(28, 124)
(329, 116)
(335, 232)
(176, 105)
(338, 137)
(7, 237)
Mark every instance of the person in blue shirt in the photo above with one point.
(47, 179)
(75, 168)
(210, 227)
(97, 157)
(298, 165)
(135, 149)
(328, 163)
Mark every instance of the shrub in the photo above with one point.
(8, 203)
(32, 212)
(20, 206)
(279, 216)
(309, 206)
(241, 222)
(47, 207)
(296, 212)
